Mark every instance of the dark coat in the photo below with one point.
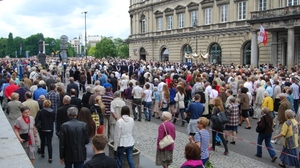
(72, 139)
(62, 115)
(72, 85)
(266, 122)
(114, 83)
(76, 102)
(85, 99)
(101, 161)
(46, 117)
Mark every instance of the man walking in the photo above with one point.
(137, 92)
(72, 139)
(115, 109)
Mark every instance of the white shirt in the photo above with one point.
(160, 86)
(249, 86)
(148, 95)
(137, 92)
(124, 132)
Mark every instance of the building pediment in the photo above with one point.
(222, 2)
(180, 9)
(168, 11)
(207, 3)
(158, 14)
(192, 6)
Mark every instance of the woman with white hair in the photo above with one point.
(290, 134)
(164, 157)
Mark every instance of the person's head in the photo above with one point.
(229, 92)
(197, 97)
(97, 83)
(58, 80)
(71, 79)
(11, 81)
(232, 100)
(180, 89)
(289, 91)
(107, 89)
(42, 98)
(218, 103)
(72, 92)
(52, 86)
(202, 122)
(28, 95)
(266, 94)
(66, 99)
(289, 114)
(258, 85)
(117, 94)
(99, 142)
(281, 96)
(85, 116)
(244, 90)
(47, 104)
(14, 96)
(88, 89)
(25, 111)
(192, 151)
(265, 110)
(72, 112)
(166, 116)
(147, 86)
(125, 111)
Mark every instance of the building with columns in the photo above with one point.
(225, 29)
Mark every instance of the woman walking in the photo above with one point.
(179, 99)
(123, 139)
(44, 122)
(164, 157)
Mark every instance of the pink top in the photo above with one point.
(161, 134)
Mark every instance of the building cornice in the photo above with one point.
(222, 2)
(133, 9)
(203, 33)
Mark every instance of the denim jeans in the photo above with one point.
(267, 137)
(76, 164)
(148, 110)
(120, 154)
(82, 85)
(181, 112)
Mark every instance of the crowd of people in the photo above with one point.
(40, 102)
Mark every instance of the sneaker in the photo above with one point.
(211, 149)
(225, 153)
(273, 141)
(274, 159)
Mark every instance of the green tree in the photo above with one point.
(18, 42)
(10, 48)
(3, 43)
(51, 45)
(92, 51)
(71, 51)
(122, 47)
(32, 43)
(105, 47)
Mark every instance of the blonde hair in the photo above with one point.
(14, 96)
(204, 121)
(219, 104)
(47, 103)
(98, 99)
(166, 93)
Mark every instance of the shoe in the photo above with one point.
(158, 117)
(139, 120)
(274, 159)
(153, 115)
(50, 160)
(273, 142)
(134, 118)
(281, 165)
(39, 151)
(227, 141)
(232, 142)
(218, 144)
(240, 124)
(258, 156)
(254, 118)
(248, 127)
(225, 153)
(43, 155)
(211, 149)
(182, 125)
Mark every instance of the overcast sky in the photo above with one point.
(54, 18)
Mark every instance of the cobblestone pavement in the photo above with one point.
(145, 140)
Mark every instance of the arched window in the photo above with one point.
(247, 54)
(143, 24)
(215, 53)
(142, 54)
(186, 49)
(164, 55)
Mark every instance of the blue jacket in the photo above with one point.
(195, 109)
(38, 92)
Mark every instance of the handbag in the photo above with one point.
(219, 119)
(25, 136)
(100, 129)
(260, 129)
(166, 141)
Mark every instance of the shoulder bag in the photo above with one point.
(25, 136)
(166, 141)
(220, 118)
(260, 129)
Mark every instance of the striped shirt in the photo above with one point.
(107, 98)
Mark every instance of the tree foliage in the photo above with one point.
(3, 43)
(10, 47)
(92, 51)
(32, 43)
(105, 48)
(19, 46)
(71, 51)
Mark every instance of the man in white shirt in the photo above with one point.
(115, 109)
(160, 86)
(137, 92)
(248, 84)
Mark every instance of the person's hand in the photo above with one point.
(191, 138)
(36, 139)
(274, 138)
(62, 161)
(21, 140)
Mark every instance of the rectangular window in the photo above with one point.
(159, 24)
(143, 25)
(194, 17)
(292, 2)
(180, 20)
(170, 22)
(262, 5)
(224, 13)
(242, 10)
(208, 16)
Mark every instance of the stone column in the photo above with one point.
(274, 46)
(254, 50)
(290, 48)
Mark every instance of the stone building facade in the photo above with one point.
(225, 29)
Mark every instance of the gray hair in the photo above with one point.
(266, 94)
(117, 94)
(72, 111)
(232, 99)
(88, 89)
(67, 99)
(282, 95)
(289, 113)
(166, 116)
(199, 88)
(42, 97)
(258, 85)
(97, 82)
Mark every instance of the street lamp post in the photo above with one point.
(85, 40)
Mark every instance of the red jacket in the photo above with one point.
(10, 89)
